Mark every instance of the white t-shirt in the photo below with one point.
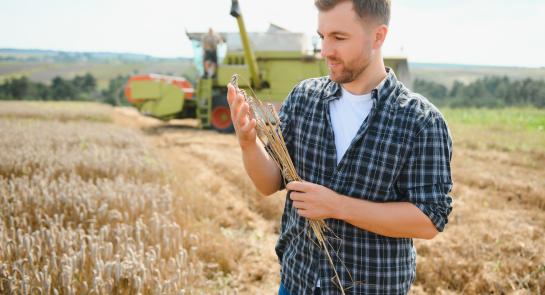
(347, 114)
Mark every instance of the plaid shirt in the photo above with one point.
(401, 153)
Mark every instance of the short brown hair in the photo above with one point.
(379, 9)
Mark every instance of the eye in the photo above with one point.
(339, 38)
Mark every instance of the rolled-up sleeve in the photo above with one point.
(425, 179)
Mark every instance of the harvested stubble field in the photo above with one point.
(101, 200)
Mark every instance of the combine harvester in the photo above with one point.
(271, 63)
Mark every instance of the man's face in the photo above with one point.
(347, 42)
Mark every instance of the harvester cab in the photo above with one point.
(269, 65)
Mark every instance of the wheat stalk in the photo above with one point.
(270, 134)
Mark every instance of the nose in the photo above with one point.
(327, 49)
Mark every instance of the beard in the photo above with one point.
(348, 72)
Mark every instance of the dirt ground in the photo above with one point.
(494, 242)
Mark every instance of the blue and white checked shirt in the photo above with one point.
(401, 153)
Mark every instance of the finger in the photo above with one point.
(235, 111)
(242, 115)
(297, 196)
(250, 124)
(296, 186)
(300, 205)
(303, 213)
(230, 94)
(235, 108)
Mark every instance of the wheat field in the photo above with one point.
(86, 208)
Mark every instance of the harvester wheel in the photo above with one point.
(221, 115)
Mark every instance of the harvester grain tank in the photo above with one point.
(271, 63)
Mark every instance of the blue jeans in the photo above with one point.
(283, 291)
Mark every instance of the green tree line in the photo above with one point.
(490, 91)
(81, 87)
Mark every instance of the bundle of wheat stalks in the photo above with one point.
(270, 134)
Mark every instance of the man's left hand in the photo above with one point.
(314, 201)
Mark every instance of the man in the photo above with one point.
(210, 43)
(375, 158)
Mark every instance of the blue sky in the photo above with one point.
(485, 32)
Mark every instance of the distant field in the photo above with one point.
(45, 71)
(509, 129)
(447, 74)
(515, 119)
(104, 70)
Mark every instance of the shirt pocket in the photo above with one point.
(383, 153)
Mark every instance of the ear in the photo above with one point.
(379, 34)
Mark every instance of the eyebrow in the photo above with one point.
(333, 33)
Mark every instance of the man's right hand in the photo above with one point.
(258, 164)
(240, 115)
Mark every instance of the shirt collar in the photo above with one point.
(383, 89)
